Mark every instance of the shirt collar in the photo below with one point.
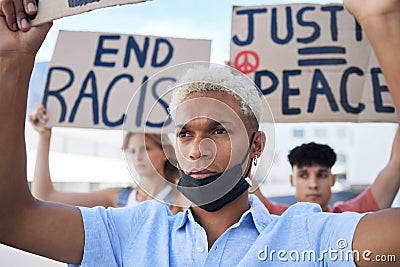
(258, 212)
(185, 217)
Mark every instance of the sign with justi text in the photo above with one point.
(311, 62)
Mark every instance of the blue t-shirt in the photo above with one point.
(148, 235)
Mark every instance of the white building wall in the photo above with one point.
(371, 147)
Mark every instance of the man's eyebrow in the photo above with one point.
(180, 126)
(210, 125)
(218, 123)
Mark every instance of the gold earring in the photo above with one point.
(255, 160)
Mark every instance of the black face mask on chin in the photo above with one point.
(214, 192)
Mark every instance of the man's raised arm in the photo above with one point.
(387, 183)
(52, 230)
(381, 21)
(379, 232)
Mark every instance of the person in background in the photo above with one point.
(313, 179)
(158, 174)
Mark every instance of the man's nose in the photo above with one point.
(202, 148)
(313, 182)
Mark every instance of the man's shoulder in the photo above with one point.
(300, 214)
(311, 221)
(303, 207)
(304, 214)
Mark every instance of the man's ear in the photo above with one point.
(291, 180)
(333, 179)
(258, 144)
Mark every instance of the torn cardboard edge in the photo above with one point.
(49, 10)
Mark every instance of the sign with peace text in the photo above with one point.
(49, 10)
(311, 62)
(92, 78)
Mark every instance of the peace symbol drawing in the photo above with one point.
(247, 61)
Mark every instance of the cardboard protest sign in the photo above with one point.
(312, 63)
(92, 78)
(49, 10)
